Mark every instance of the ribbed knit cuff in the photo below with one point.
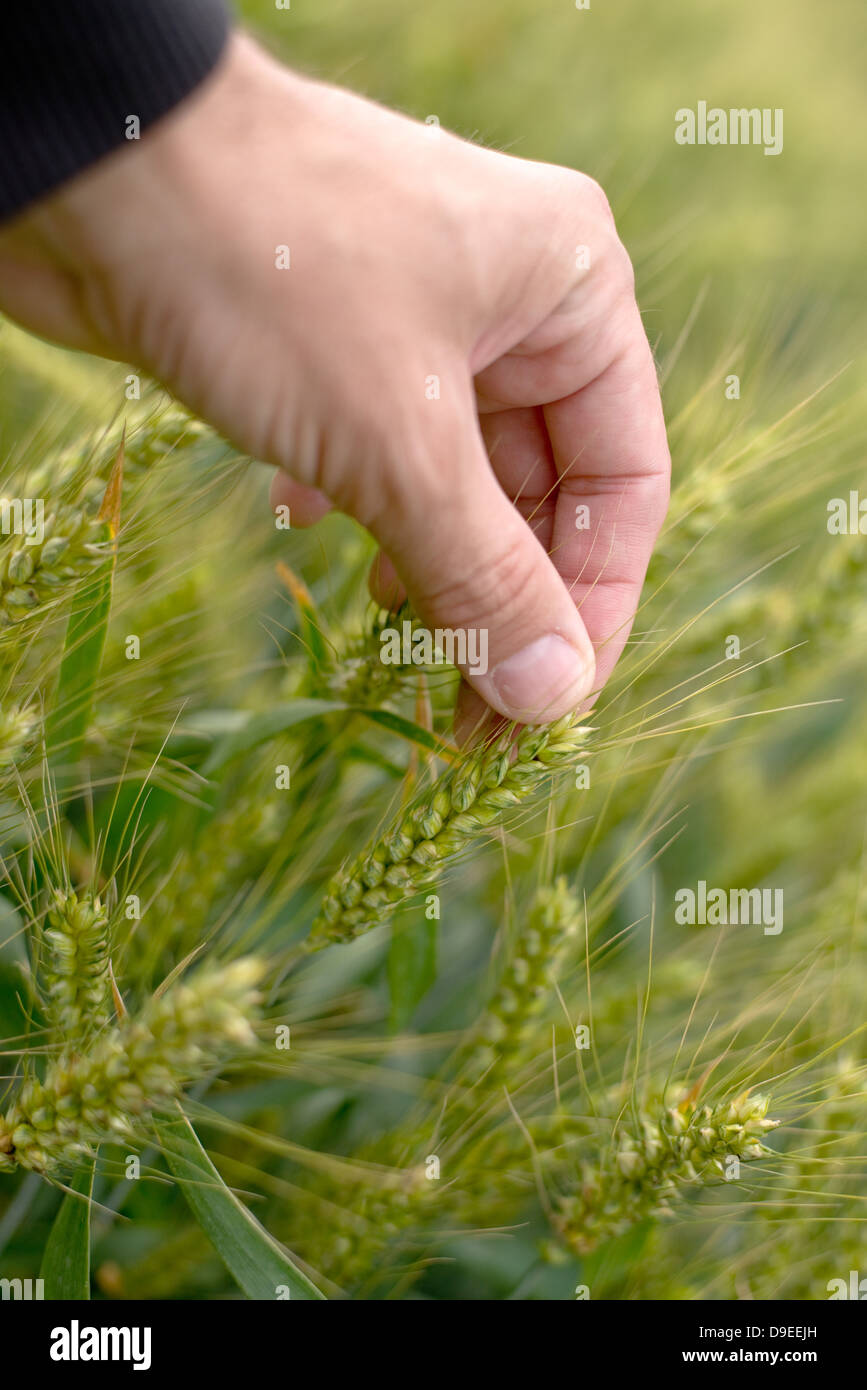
(73, 71)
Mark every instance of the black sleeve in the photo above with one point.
(73, 71)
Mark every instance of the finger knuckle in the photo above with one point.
(593, 213)
(621, 268)
(593, 195)
(494, 583)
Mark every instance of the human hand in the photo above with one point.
(454, 355)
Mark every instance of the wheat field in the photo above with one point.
(297, 998)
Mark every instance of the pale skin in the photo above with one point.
(413, 255)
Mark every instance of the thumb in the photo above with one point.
(473, 569)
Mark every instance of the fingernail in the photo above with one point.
(546, 679)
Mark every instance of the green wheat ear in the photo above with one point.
(18, 729)
(355, 671)
(139, 1065)
(464, 804)
(656, 1156)
(163, 429)
(33, 576)
(75, 971)
(508, 1033)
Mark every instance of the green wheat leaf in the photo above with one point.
(412, 968)
(407, 729)
(311, 624)
(254, 1259)
(66, 1259)
(258, 728)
